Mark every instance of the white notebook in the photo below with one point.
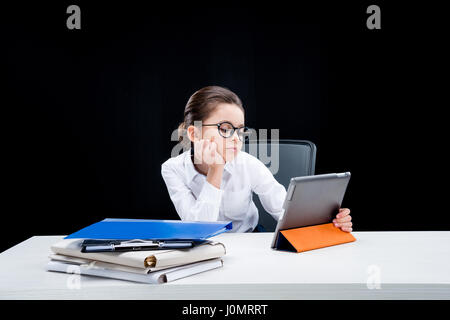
(101, 264)
(155, 277)
(143, 259)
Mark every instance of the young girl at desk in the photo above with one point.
(215, 182)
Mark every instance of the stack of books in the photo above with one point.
(138, 263)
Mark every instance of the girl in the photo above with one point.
(214, 179)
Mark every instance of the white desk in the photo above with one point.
(409, 265)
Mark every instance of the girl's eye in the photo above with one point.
(226, 132)
(226, 129)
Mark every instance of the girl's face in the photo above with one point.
(228, 148)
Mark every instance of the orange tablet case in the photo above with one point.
(312, 237)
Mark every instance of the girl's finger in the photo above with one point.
(343, 212)
(213, 146)
(207, 153)
(344, 219)
(198, 149)
(212, 143)
(206, 145)
(211, 150)
(345, 225)
(347, 229)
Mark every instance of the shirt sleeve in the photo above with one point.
(270, 192)
(204, 208)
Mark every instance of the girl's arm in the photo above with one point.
(204, 208)
(270, 191)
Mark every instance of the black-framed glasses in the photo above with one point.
(226, 130)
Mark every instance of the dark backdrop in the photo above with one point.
(88, 114)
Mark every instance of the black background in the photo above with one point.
(88, 114)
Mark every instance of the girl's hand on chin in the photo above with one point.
(206, 151)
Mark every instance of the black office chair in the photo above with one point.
(296, 158)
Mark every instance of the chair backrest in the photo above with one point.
(297, 158)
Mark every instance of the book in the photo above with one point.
(154, 277)
(107, 265)
(145, 229)
(143, 259)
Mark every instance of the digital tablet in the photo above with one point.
(312, 200)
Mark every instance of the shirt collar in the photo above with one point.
(192, 172)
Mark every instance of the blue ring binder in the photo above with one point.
(128, 229)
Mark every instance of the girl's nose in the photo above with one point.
(235, 136)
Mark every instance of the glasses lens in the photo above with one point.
(226, 130)
(243, 133)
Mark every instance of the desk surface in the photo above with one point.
(379, 265)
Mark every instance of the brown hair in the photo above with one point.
(201, 104)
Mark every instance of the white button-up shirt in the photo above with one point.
(195, 199)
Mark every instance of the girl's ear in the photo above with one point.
(193, 133)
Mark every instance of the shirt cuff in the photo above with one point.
(210, 194)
